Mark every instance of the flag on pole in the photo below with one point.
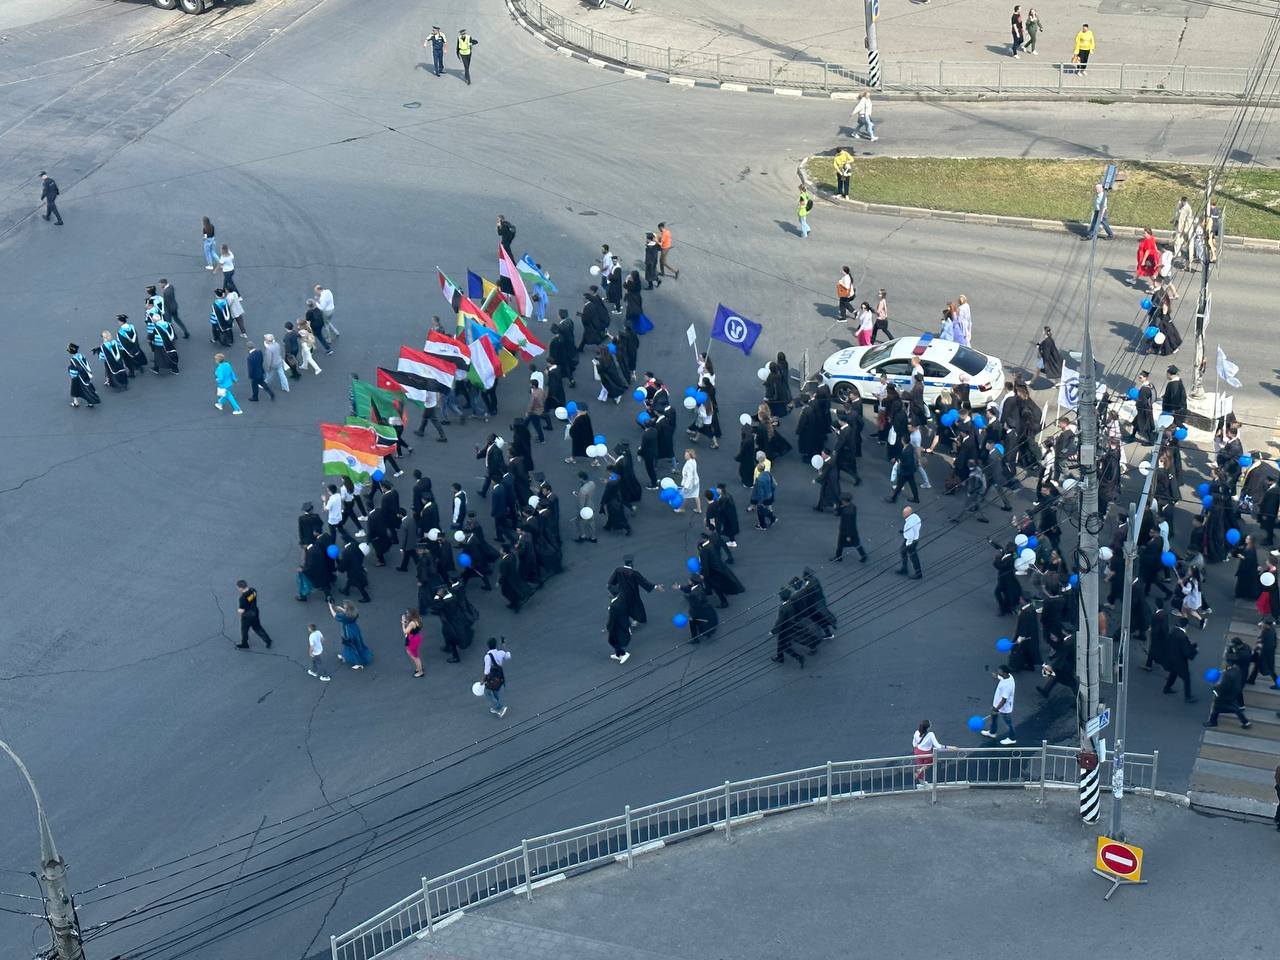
(534, 276)
(420, 390)
(735, 330)
(438, 373)
(384, 434)
(1227, 370)
(469, 313)
(507, 270)
(372, 403)
(483, 370)
(447, 348)
(515, 335)
(450, 290)
(475, 286)
(349, 452)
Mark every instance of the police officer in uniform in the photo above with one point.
(436, 42)
(248, 607)
(465, 43)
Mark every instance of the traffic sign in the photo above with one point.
(1098, 723)
(1121, 860)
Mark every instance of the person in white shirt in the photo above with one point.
(1002, 706)
(324, 300)
(335, 514)
(315, 649)
(924, 744)
(910, 535)
(235, 307)
(963, 322)
(862, 117)
(690, 486)
(495, 677)
(607, 261)
(227, 264)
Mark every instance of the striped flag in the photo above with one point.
(450, 349)
(371, 403)
(349, 452)
(384, 434)
(507, 270)
(535, 276)
(484, 369)
(515, 335)
(469, 313)
(437, 372)
(450, 291)
(410, 385)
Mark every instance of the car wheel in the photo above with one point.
(165, 4)
(843, 392)
(192, 6)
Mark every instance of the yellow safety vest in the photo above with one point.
(464, 46)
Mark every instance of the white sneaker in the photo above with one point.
(360, 534)
(324, 678)
(494, 711)
(208, 266)
(873, 138)
(217, 405)
(312, 673)
(502, 713)
(236, 413)
(1008, 742)
(398, 473)
(613, 656)
(988, 733)
(624, 658)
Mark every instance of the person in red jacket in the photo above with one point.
(1148, 256)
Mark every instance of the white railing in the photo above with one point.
(519, 870)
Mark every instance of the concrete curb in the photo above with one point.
(1075, 227)
(1098, 96)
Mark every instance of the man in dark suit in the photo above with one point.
(170, 298)
(49, 194)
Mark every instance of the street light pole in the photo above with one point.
(53, 877)
(1203, 304)
(871, 11)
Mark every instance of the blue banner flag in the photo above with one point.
(475, 287)
(735, 330)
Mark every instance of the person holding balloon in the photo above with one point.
(702, 618)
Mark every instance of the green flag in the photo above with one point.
(371, 403)
(384, 431)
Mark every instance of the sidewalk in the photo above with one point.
(1127, 31)
(980, 873)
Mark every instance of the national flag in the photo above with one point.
(349, 452)
(450, 291)
(533, 276)
(372, 403)
(507, 270)
(484, 368)
(1227, 370)
(450, 349)
(415, 388)
(384, 434)
(515, 335)
(735, 330)
(475, 286)
(469, 313)
(432, 369)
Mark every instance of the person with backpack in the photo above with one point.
(495, 678)
(802, 211)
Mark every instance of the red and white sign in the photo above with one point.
(1119, 859)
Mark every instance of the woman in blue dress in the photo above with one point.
(354, 651)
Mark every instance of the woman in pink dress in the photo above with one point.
(411, 624)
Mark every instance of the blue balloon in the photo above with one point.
(1146, 303)
(690, 391)
(976, 723)
(1212, 675)
(701, 396)
(1233, 536)
(378, 476)
(1151, 332)
(1169, 558)
(980, 422)
(571, 408)
(640, 395)
(643, 417)
(999, 448)
(1033, 542)
(613, 348)
(715, 494)
(1206, 501)
(694, 564)
(600, 439)
(464, 559)
(680, 620)
(949, 418)
(1245, 461)
(676, 500)
(613, 478)
(1180, 433)
(332, 551)
(1004, 644)
(1133, 393)
(1203, 489)
(1074, 579)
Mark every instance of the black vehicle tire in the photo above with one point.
(842, 392)
(192, 6)
(165, 4)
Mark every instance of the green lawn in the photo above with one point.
(1060, 189)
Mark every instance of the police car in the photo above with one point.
(943, 363)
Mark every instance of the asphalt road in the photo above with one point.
(312, 135)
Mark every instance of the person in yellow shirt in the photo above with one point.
(803, 207)
(1084, 47)
(843, 164)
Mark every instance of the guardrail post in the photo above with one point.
(999, 76)
(728, 811)
(824, 75)
(940, 84)
(626, 51)
(933, 778)
(1184, 78)
(719, 78)
(591, 40)
(668, 61)
(528, 872)
(426, 903)
(1122, 77)
(1061, 71)
(333, 947)
(1044, 767)
(627, 811)
(1155, 769)
(830, 785)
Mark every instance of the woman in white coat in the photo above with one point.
(690, 487)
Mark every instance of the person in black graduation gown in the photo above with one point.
(81, 378)
(722, 514)
(581, 435)
(703, 618)
(1264, 656)
(1008, 592)
(719, 578)
(847, 534)
(428, 516)
(811, 430)
(555, 388)
(624, 466)
(495, 464)
(613, 288)
(522, 443)
(1178, 654)
(526, 551)
(1050, 358)
(563, 353)
(828, 481)
(546, 548)
(318, 568)
(626, 582)
(111, 353)
(595, 319)
(1144, 421)
(1052, 610)
(454, 626)
(811, 602)
(790, 629)
(380, 528)
(1062, 667)
(480, 551)
(1026, 638)
(649, 451)
(746, 456)
(665, 425)
(1248, 586)
(777, 389)
(351, 562)
(618, 629)
(515, 589)
(1174, 399)
(613, 382)
(848, 443)
(613, 507)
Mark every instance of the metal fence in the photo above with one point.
(1000, 75)
(617, 839)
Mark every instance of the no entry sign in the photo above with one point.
(1121, 860)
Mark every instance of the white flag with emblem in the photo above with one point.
(1227, 370)
(1069, 389)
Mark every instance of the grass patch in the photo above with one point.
(1060, 189)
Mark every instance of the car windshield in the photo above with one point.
(969, 361)
(875, 355)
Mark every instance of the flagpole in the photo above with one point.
(1217, 382)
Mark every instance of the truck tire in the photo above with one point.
(192, 6)
(165, 4)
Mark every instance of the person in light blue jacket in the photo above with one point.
(225, 377)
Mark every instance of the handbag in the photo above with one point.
(642, 325)
(222, 393)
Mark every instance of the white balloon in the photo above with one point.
(1160, 338)
(533, 503)
(666, 483)
(562, 413)
(592, 450)
(1105, 554)
(595, 269)
(433, 534)
(816, 461)
(745, 419)
(1267, 579)
(586, 513)
(690, 403)
(763, 374)
(1020, 540)
(1027, 555)
(1144, 467)
(477, 688)
(499, 442)
(459, 536)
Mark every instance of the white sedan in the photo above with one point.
(942, 361)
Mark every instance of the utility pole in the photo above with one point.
(53, 876)
(1204, 304)
(871, 10)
